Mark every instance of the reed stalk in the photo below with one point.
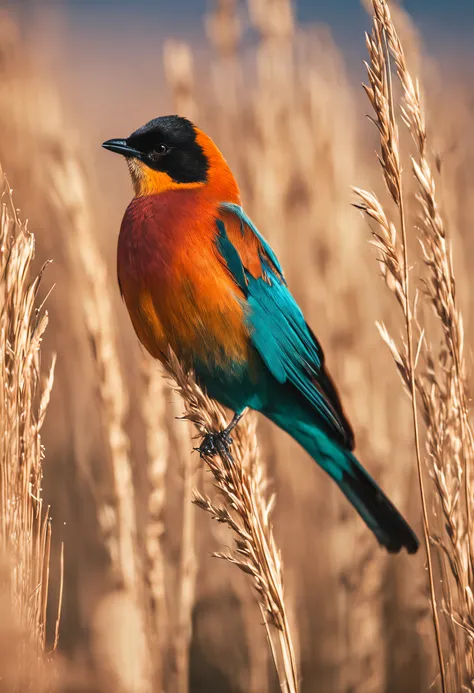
(157, 441)
(245, 509)
(25, 526)
(436, 381)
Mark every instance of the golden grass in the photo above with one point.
(121, 474)
(188, 561)
(158, 450)
(435, 376)
(240, 479)
(25, 536)
(394, 251)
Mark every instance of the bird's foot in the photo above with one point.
(215, 443)
(219, 443)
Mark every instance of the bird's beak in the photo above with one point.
(121, 147)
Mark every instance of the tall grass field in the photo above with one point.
(128, 564)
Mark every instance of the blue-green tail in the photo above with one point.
(377, 511)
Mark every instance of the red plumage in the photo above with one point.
(177, 290)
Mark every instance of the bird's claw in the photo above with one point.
(214, 443)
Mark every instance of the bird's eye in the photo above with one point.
(158, 152)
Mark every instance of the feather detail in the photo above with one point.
(253, 249)
(176, 289)
(278, 330)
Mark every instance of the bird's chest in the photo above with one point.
(177, 292)
(150, 281)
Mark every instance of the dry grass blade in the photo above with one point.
(394, 253)
(444, 390)
(157, 445)
(239, 477)
(25, 536)
(188, 563)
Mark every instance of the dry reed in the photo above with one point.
(443, 385)
(436, 379)
(240, 480)
(188, 563)
(120, 645)
(394, 252)
(158, 450)
(25, 536)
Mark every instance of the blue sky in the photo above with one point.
(440, 21)
(447, 26)
(451, 13)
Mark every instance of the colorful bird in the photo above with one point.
(197, 276)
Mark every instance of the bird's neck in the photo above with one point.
(221, 184)
(146, 181)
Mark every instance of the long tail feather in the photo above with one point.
(377, 511)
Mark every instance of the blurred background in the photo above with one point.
(277, 85)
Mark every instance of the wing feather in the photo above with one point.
(276, 324)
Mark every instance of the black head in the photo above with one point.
(166, 144)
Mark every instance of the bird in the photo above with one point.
(199, 278)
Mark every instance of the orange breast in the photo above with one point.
(178, 292)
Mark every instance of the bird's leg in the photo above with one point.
(235, 420)
(213, 443)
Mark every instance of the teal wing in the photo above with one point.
(277, 326)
